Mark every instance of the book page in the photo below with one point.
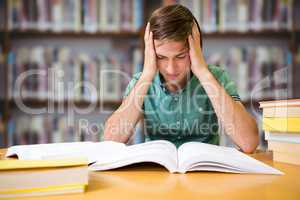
(63, 150)
(41, 151)
(160, 152)
(193, 155)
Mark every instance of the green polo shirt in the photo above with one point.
(187, 115)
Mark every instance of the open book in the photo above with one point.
(191, 156)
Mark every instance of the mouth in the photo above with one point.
(172, 76)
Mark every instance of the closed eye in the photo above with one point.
(160, 57)
(181, 56)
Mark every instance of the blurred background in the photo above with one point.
(58, 60)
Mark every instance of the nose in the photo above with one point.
(171, 69)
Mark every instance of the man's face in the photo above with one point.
(173, 60)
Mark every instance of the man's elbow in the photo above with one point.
(251, 144)
(249, 148)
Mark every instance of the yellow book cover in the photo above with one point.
(26, 164)
(283, 124)
(41, 191)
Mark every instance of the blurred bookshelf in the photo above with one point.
(251, 39)
(34, 33)
(34, 102)
(80, 34)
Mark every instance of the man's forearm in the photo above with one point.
(121, 123)
(132, 104)
(238, 123)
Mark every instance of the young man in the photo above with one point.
(178, 95)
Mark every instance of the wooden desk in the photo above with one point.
(154, 182)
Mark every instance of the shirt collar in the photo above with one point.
(161, 83)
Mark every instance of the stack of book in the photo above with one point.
(281, 121)
(20, 178)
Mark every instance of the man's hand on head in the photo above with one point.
(196, 55)
(150, 65)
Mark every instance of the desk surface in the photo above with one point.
(149, 181)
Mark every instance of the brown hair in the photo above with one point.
(173, 22)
